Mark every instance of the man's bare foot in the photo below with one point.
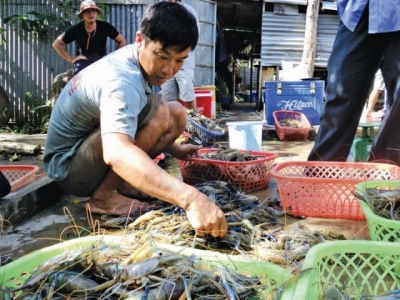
(117, 205)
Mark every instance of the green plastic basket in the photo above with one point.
(272, 276)
(380, 229)
(353, 268)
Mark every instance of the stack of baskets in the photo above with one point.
(354, 269)
(291, 133)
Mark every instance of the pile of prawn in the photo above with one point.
(383, 202)
(134, 271)
(253, 228)
(203, 121)
(230, 155)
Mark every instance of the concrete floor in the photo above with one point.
(40, 214)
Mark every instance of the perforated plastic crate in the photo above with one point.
(198, 131)
(19, 175)
(325, 189)
(287, 133)
(14, 274)
(380, 228)
(247, 176)
(348, 270)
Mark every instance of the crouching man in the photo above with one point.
(107, 126)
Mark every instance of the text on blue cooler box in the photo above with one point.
(305, 96)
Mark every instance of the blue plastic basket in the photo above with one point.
(205, 136)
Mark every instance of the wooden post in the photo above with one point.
(310, 37)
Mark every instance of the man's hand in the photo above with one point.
(180, 151)
(206, 217)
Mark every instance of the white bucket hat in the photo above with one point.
(87, 4)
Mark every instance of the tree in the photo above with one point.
(39, 24)
(310, 37)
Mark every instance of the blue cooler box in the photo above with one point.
(305, 96)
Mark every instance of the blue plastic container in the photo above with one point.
(246, 96)
(305, 96)
(254, 96)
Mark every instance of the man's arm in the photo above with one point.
(120, 40)
(134, 166)
(59, 45)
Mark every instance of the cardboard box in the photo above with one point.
(305, 96)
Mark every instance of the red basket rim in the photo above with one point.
(19, 167)
(287, 111)
(279, 166)
(268, 156)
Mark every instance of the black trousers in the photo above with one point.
(355, 58)
(5, 186)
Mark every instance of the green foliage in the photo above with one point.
(36, 105)
(39, 24)
(221, 86)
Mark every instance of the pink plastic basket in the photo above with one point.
(286, 133)
(19, 175)
(247, 176)
(325, 189)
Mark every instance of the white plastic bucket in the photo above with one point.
(245, 135)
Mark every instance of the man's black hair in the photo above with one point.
(171, 24)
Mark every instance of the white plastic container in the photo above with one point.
(245, 135)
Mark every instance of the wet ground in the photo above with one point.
(66, 218)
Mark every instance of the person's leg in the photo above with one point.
(90, 176)
(154, 138)
(167, 136)
(351, 68)
(386, 146)
(372, 99)
(377, 89)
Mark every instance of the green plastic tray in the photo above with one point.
(380, 229)
(355, 268)
(15, 273)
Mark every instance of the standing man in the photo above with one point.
(90, 36)
(106, 125)
(368, 37)
(181, 86)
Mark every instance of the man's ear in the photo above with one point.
(139, 39)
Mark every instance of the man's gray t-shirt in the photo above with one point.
(110, 93)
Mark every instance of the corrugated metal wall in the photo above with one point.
(27, 65)
(283, 38)
(205, 50)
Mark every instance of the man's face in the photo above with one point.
(90, 15)
(158, 64)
